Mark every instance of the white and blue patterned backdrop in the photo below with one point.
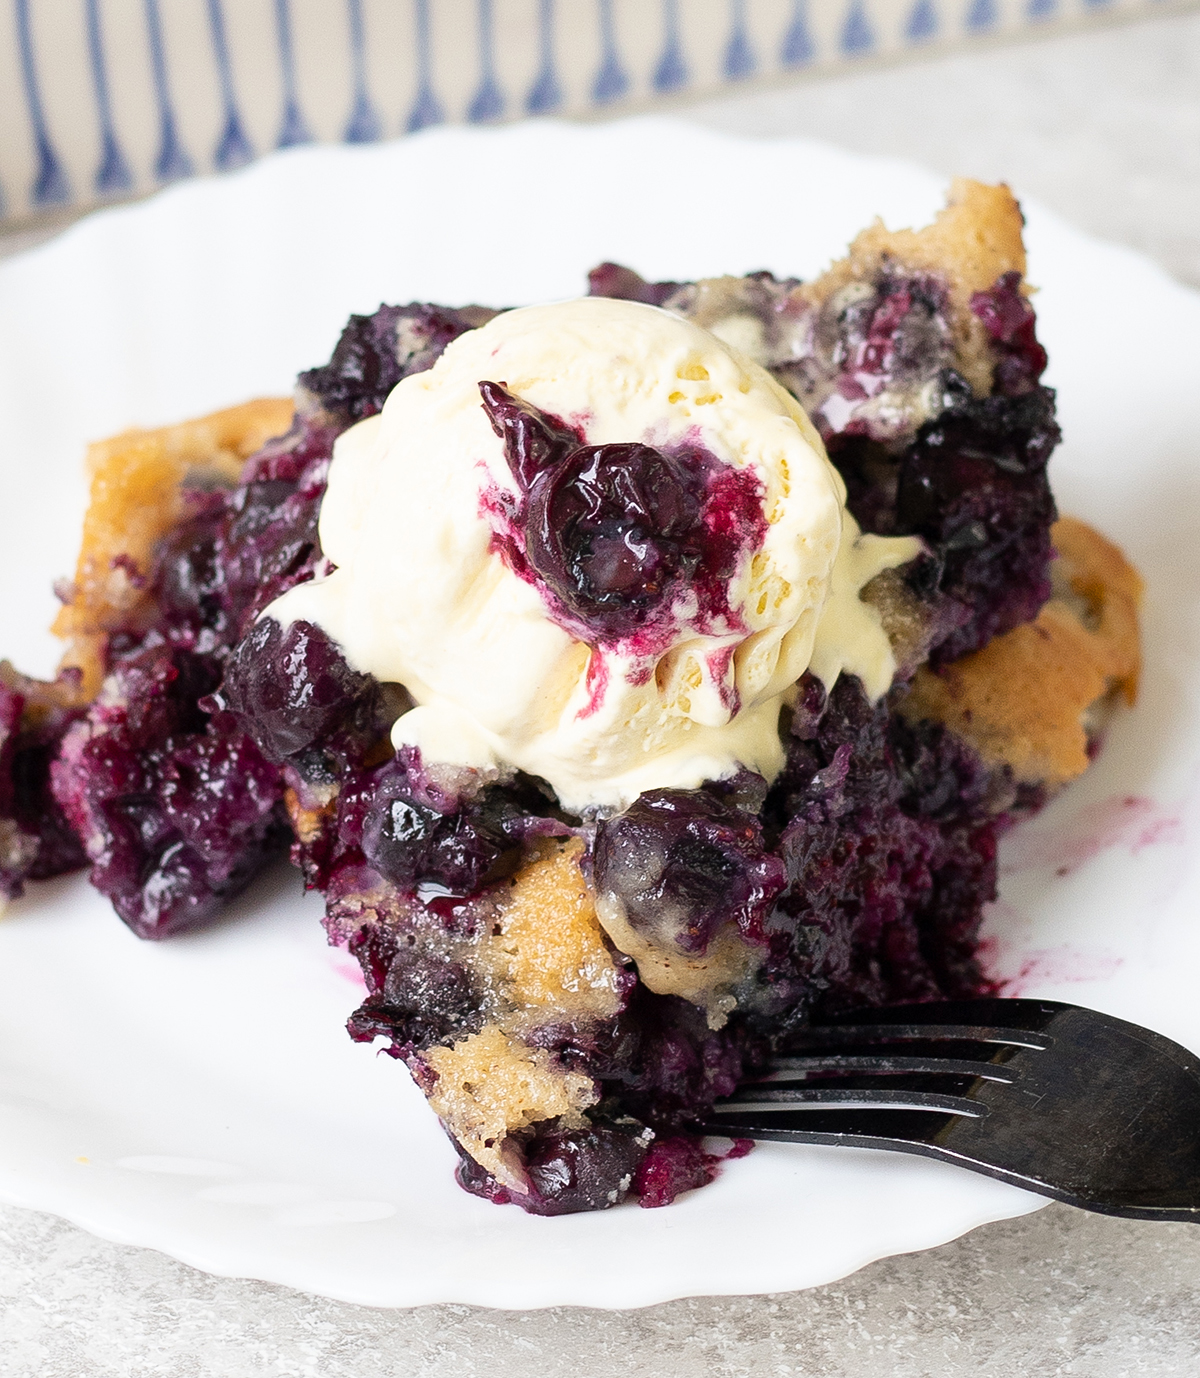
(104, 99)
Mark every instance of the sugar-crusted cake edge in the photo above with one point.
(137, 481)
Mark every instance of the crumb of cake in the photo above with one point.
(493, 1085)
(137, 480)
(1026, 699)
(550, 955)
(309, 810)
(906, 620)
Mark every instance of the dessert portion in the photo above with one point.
(638, 678)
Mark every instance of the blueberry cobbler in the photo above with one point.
(638, 678)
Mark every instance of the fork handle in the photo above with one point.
(919, 1132)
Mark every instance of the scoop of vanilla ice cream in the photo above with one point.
(421, 595)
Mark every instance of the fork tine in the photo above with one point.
(883, 1064)
(902, 1129)
(771, 1100)
(1054, 1098)
(840, 1035)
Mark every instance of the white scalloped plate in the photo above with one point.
(200, 1096)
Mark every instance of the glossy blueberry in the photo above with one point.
(290, 688)
(612, 530)
(458, 851)
(681, 863)
(569, 1170)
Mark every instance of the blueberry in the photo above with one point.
(457, 853)
(682, 864)
(375, 352)
(569, 1170)
(291, 688)
(425, 997)
(612, 530)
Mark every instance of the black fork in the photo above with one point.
(1055, 1098)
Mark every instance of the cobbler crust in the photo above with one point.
(1033, 698)
(972, 243)
(137, 497)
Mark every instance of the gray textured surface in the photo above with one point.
(1056, 1293)
(1105, 127)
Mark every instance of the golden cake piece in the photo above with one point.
(137, 479)
(1033, 698)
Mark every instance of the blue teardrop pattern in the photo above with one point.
(740, 61)
(922, 24)
(50, 185)
(671, 73)
(233, 147)
(645, 48)
(172, 160)
(545, 95)
(488, 102)
(858, 37)
(113, 175)
(364, 125)
(612, 81)
(427, 109)
(798, 48)
(294, 128)
(982, 16)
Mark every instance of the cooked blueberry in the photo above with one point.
(255, 506)
(569, 1170)
(457, 852)
(425, 997)
(682, 864)
(614, 528)
(533, 439)
(880, 822)
(291, 687)
(1009, 320)
(612, 280)
(987, 522)
(177, 809)
(375, 352)
(581, 1169)
(671, 1167)
(188, 578)
(36, 841)
(611, 530)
